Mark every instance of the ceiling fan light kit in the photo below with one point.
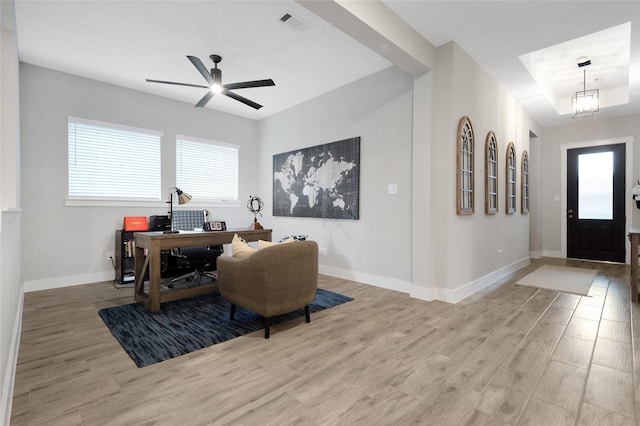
(585, 102)
(214, 83)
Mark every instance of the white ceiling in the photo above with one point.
(496, 33)
(125, 42)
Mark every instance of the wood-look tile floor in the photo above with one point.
(508, 355)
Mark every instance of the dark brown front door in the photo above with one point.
(595, 203)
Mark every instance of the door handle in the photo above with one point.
(570, 213)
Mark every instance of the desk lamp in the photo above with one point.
(183, 198)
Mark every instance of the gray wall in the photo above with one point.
(11, 287)
(535, 208)
(70, 243)
(375, 249)
(583, 130)
(452, 256)
(472, 251)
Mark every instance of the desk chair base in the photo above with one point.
(196, 277)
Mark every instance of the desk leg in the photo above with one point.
(141, 265)
(634, 267)
(154, 278)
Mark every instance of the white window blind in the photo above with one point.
(207, 170)
(109, 161)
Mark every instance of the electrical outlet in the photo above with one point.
(323, 251)
(110, 256)
(499, 255)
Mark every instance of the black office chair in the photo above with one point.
(201, 258)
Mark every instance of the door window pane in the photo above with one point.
(595, 186)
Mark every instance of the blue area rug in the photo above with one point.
(187, 325)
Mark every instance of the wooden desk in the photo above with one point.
(634, 237)
(155, 242)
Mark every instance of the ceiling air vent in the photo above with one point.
(294, 22)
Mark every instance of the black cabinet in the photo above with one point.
(125, 261)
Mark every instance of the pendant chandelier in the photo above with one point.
(585, 102)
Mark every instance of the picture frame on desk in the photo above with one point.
(215, 226)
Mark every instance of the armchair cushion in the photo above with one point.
(240, 248)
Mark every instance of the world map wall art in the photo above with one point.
(321, 181)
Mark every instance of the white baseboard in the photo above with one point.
(466, 290)
(362, 277)
(426, 293)
(423, 293)
(59, 282)
(552, 253)
(11, 362)
(536, 254)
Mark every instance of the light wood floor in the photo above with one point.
(510, 355)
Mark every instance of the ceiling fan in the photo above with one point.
(214, 80)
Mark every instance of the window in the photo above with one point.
(110, 161)
(524, 208)
(491, 174)
(207, 170)
(465, 167)
(511, 178)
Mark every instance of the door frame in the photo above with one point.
(628, 179)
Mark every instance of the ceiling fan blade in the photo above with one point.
(177, 84)
(247, 84)
(242, 99)
(203, 70)
(206, 98)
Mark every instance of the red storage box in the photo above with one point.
(135, 223)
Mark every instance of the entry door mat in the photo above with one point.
(560, 278)
(187, 325)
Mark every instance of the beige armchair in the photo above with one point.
(272, 281)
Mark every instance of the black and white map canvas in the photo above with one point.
(320, 181)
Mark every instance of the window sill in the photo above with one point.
(79, 202)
